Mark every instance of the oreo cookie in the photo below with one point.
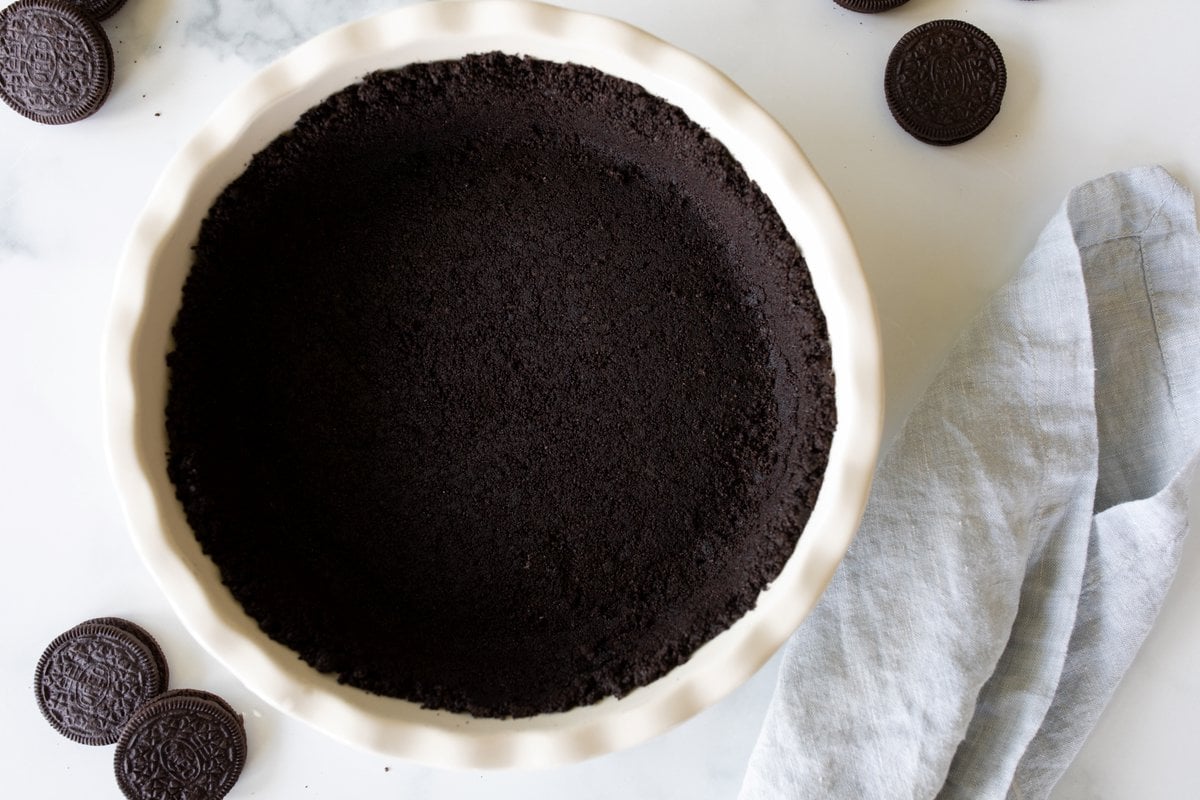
(91, 680)
(56, 63)
(185, 743)
(143, 635)
(869, 6)
(944, 81)
(97, 9)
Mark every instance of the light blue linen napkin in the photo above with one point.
(1022, 529)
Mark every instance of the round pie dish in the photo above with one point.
(156, 263)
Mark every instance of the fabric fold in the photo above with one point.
(954, 636)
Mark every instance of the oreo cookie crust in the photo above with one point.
(497, 386)
(91, 679)
(184, 744)
(56, 63)
(944, 81)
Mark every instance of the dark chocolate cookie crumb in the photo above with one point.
(56, 63)
(944, 81)
(92, 678)
(184, 744)
(497, 386)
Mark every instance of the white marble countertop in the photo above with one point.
(1093, 86)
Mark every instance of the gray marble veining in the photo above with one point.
(12, 243)
(258, 31)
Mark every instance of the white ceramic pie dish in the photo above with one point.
(146, 298)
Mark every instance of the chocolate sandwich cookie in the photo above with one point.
(97, 9)
(143, 635)
(91, 680)
(944, 81)
(869, 6)
(185, 743)
(56, 63)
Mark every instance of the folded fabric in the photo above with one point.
(1022, 530)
